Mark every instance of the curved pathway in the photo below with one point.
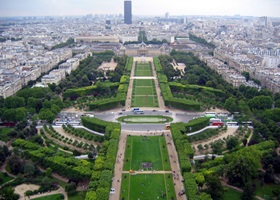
(59, 191)
(207, 127)
(230, 131)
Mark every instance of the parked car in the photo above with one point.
(112, 191)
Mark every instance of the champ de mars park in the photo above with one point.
(153, 139)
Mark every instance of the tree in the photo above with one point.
(214, 187)
(47, 115)
(14, 102)
(20, 114)
(8, 193)
(260, 102)
(248, 192)
(244, 141)
(4, 153)
(246, 75)
(217, 147)
(48, 172)
(102, 193)
(232, 142)
(269, 174)
(200, 147)
(15, 164)
(10, 115)
(46, 183)
(242, 166)
(200, 179)
(70, 188)
(28, 168)
(230, 105)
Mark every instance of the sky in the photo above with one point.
(270, 8)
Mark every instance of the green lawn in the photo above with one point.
(144, 101)
(147, 186)
(144, 91)
(231, 194)
(143, 69)
(144, 94)
(143, 82)
(134, 119)
(61, 183)
(50, 197)
(146, 149)
(5, 178)
(4, 134)
(78, 196)
(265, 191)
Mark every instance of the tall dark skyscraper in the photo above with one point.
(127, 12)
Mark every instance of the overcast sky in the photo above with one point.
(140, 7)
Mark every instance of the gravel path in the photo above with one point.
(230, 131)
(59, 191)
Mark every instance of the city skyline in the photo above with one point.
(268, 8)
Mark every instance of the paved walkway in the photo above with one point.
(130, 88)
(178, 184)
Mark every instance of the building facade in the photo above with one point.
(127, 12)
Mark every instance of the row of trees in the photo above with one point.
(202, 41)
(66, 166)
(251, 104)
(167, 95)
(123, 69)
(63, 44)
(185, 153)
(28, 102)
(102, 174)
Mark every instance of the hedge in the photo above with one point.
(99, 187)
(125, 79)
(99, 125)
(183, 147)
(105, 104)
(167, 95)
(191, 187)
(178, 87)
(129, 64)
(89, 90)
(197, 124)
(68, 167)
(109, 103)
(157, 64)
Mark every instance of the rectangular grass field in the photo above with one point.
(143, 82)
(143, 69)
(144, 94)
(151, 149)
(144, 101)
(147, 186)
(144, 91)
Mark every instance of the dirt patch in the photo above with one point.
(21, 189)
(230, 131)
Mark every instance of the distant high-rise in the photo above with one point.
(127, 12)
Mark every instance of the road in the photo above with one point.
(177, 117)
